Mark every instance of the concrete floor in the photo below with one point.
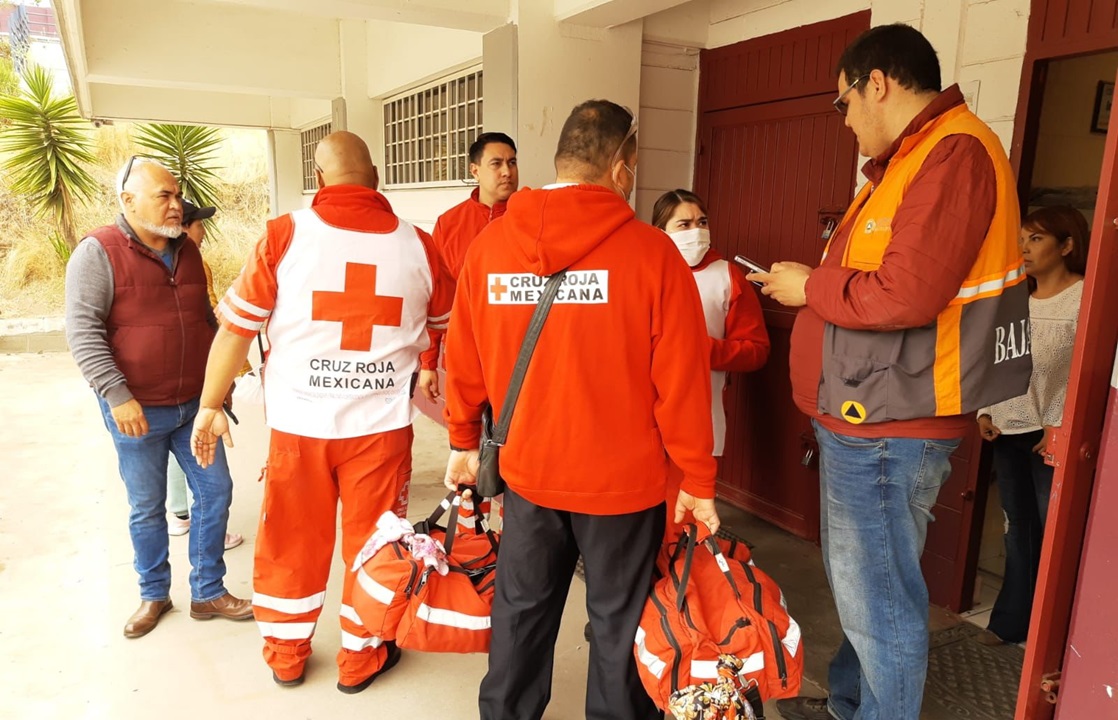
(67, 586)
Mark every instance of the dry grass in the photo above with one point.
(32, 276)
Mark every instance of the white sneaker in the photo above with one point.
(232, 540)
(177, 526)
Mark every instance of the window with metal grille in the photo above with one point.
(310, 138)
(427, 132)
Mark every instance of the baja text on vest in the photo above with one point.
(1011, 341)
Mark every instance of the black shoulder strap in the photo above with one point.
(501, 433)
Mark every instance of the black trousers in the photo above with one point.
(539, 550)
(1024, 482)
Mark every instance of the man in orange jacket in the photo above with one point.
(585, 460)
(493, 165)
(349, 292)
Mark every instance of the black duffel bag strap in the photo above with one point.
(535, 327)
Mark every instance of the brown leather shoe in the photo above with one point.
(146, 618)
(227, 606)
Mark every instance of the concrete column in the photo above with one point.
(285, 162)
(355, 111)
(499, 62)
(560, 65)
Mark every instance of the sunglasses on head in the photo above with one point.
(840, 102)
(128, 171)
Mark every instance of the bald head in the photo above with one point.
(151, 200)
(343, 158)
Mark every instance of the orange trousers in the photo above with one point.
(304, 480)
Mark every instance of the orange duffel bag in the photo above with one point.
(705, 606)
(427, 605)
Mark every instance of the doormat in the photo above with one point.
(970, 680)
(580, 571)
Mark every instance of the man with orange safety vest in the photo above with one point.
(916, 317)
(349, 292)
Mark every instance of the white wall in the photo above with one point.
(49, 56)
(981, 43)
(560, 66)
(423, 207)
(1068, 153)
(238, 49)
(669, 93)
(402, 55)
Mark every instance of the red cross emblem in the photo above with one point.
(358, 308)
(498, 289)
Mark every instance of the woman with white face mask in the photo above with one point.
(739, 341)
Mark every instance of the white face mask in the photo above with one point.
(693, 244)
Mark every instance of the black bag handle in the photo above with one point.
(452, 524)
(452, 501)
(535, 327)
(691, 538)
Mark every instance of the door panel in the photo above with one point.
(1076, 449)
(766, 172)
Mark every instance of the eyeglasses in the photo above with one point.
(840, 102)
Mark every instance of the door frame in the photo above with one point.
(1076, 443)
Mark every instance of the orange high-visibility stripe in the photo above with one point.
(949, 392)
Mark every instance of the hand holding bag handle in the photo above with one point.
(489, 480)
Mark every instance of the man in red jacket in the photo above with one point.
(585, 463)
(493, 165)
(894, 348)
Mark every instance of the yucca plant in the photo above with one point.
(47, 149)
(9, 78)
(190, 153)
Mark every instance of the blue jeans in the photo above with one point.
(143, 466)
(875, 504)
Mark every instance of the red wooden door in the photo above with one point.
(1076, 449)
(1088, 684)
(766, 172)
(775, 163)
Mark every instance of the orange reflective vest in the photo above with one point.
(976, 352)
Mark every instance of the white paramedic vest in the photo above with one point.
(349, 322)
(714, 290)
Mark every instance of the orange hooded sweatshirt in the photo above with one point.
(622, 369)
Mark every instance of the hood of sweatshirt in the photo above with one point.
(553, 229)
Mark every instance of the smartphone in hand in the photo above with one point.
(751, 266)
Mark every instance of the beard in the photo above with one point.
(167, 231)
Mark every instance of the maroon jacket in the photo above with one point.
(950, 202)
(159, 325)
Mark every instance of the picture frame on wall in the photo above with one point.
(1104, 98)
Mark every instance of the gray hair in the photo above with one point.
(136, 162)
